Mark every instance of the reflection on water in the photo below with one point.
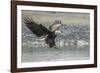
(51, 54)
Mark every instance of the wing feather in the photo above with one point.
(37, 29)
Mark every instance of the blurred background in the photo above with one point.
(73, 45)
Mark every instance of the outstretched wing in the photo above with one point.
(37, 29)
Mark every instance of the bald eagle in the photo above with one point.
(40, 30)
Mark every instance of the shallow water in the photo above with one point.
(42, 54)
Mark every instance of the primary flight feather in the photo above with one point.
(40, 30)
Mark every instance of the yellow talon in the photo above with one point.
(55, 47)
